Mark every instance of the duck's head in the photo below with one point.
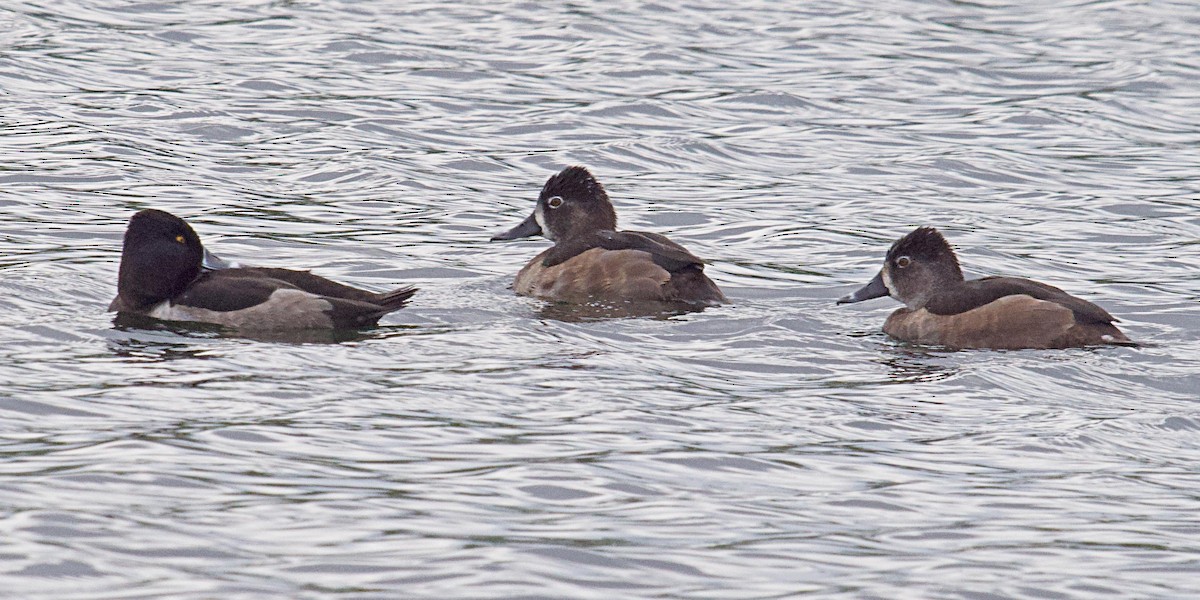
(917, 266)
(572, 203)
(161, 255)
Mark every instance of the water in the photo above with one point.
(482, 445)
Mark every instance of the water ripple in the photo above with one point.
(478, 444)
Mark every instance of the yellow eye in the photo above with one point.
(179, 238)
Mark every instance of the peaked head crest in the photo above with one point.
(923, 243)
(925, 246)
(575, 183)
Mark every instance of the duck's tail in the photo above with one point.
(395, 299)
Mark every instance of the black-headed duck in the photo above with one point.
(163, 275)
(941, 308)
(592, 261)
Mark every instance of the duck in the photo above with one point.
(167, 274)
(1000, 313)
(591, 261)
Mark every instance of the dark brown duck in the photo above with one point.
(941, 308)
(592, 261)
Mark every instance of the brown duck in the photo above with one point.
(941, 308)
(592, 261)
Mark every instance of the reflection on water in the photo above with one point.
(133, 323)
(140, 349)
(598, 311)
(917, 365)
(481, 444)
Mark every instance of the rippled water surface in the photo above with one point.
(483, 445)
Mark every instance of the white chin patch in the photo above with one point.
(887, 283)
(540, 217)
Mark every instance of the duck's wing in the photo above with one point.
(253, 301)
(980, 292)
(315, 284)
(663, 251)
(301, 280)
(221, 291)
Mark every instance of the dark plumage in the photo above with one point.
(592, 261)
(922, 271)
(162, 276)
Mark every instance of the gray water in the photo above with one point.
(483, 445)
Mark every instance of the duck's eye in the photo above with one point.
(554, 201)
(903, 262)
(179, 238)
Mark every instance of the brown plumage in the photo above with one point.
(595, 274)
(592, 261)
(1010, 313)
(1008, 323)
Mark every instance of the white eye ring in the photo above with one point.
(903, 262)
(554, 201)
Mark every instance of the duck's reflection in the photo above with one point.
(144, 336)
(601, 311)
(914, 364)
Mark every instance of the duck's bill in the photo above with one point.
(875, 289)
(528, 227)
(212, 262)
